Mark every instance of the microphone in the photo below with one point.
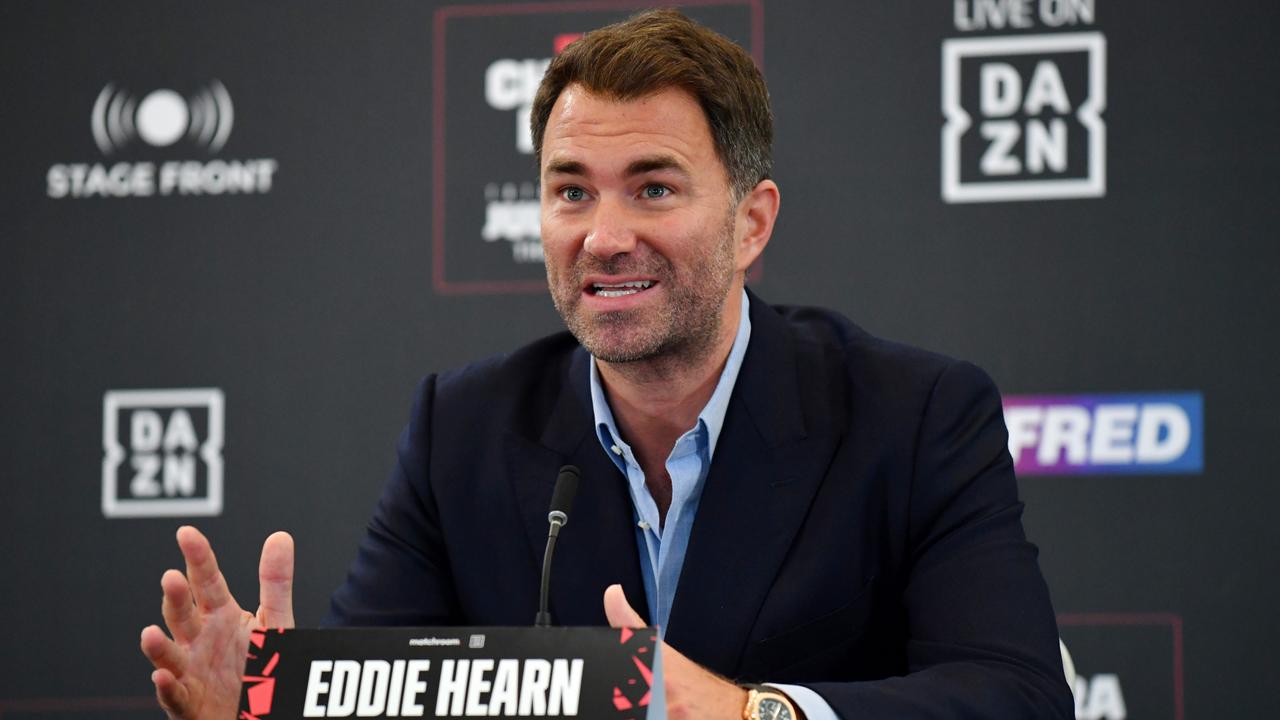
(561, 502)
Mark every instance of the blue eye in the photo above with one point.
(654, 192)
(573, 194)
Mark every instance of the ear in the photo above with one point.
(754, 225)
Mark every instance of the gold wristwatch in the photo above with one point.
(765, 703)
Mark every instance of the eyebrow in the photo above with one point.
(566, 167)
(639, 166)
(654, 164)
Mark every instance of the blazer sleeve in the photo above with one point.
(982, 638)
(401, 573)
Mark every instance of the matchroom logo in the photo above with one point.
(126, 125)
(1106, 434)
(163, 453)
(1024, 117)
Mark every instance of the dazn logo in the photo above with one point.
(162, 452)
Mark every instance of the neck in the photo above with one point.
(655, 401)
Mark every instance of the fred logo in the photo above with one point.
(1127, 433)
(1023, 117)
(163, 453)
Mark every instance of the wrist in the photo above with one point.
(765, 702)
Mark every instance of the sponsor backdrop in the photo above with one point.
(236, 234)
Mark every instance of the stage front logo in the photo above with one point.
(160, 143)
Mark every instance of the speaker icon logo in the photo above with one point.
(143, 138)
(162, 117)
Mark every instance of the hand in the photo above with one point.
(198, 672)
(692, 690)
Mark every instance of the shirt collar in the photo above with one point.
(712, 415)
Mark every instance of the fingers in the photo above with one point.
(171, 694)
(619, 611)
(207, 584)
(164, 653)
(171, 662)
(178, 607)
(275, 582)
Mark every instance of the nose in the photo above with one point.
(610, 233)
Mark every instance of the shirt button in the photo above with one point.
(643, 525)
(616, 450)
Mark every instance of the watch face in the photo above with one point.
(773, 709)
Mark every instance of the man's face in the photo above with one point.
(637, 225)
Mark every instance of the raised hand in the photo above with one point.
(692, 690)
(198, 671)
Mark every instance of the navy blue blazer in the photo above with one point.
(859, 532)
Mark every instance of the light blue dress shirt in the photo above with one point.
(662, 547)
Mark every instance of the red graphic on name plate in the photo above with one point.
(259, 686)
(638, 689)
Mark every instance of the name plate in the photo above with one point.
(557, 672)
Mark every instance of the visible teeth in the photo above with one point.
(621, 289)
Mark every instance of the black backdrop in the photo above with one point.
(301, 232)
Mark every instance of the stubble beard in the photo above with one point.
(680, 332)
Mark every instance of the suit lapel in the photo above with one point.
(766, 469)
(597, 548)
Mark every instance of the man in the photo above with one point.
(791, 500)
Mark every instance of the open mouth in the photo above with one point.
(616, 290)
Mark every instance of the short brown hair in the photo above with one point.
(659, 49)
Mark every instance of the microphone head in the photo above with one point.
(562, 496)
